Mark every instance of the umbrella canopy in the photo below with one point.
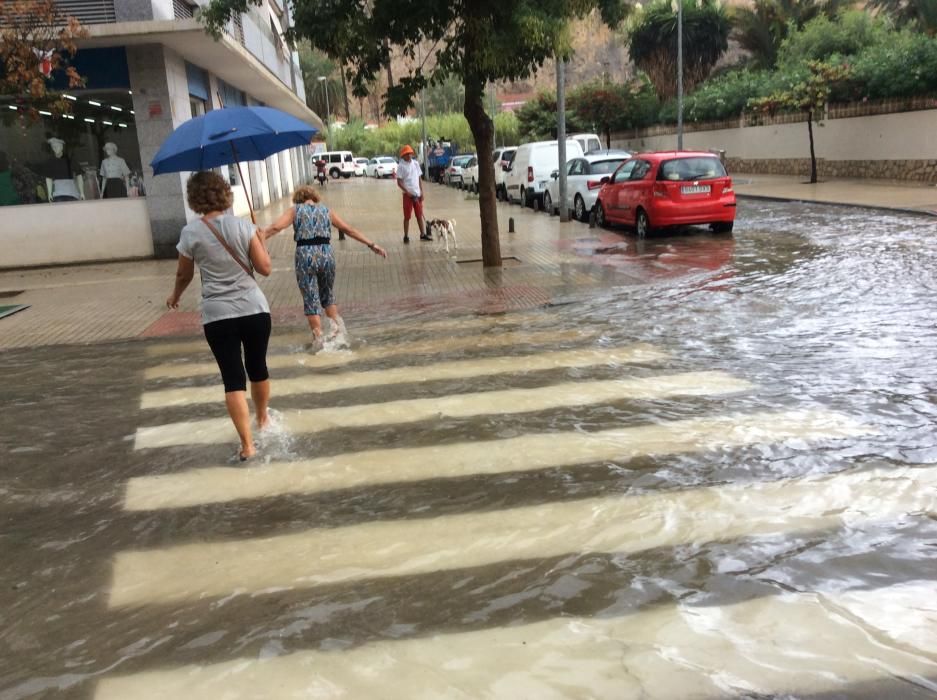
(225, 136)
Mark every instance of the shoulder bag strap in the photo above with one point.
(223, 242)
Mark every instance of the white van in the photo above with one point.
(589, 142)
(337, 163)
(529, 172)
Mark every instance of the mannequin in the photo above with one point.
(115, 175)
(60, 182)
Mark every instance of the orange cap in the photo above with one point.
(405, 150)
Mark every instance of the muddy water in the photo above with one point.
(714, 477)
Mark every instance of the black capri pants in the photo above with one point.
(225, 338)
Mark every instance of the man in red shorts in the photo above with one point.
(408, 180)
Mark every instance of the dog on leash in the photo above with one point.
(442, 230)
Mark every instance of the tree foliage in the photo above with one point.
(33, 32)
(809, 95)
(536, 118)
(761, 27)
(477, 41)
(313, 65)
(917, 14)
(653, 44)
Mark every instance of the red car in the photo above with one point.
(668, 188)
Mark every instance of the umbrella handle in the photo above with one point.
(247, 189)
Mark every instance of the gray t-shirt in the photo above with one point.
(227, 291)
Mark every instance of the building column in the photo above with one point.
(160, 103)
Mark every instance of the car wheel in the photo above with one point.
(579, 209)
(548, 203)
(723, 227)
(600, 219)
(642, 225)
(334, 173)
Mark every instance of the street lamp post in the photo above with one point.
(328, 112)
(679, 75)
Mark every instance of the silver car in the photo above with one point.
(583, 182)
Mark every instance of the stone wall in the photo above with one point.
(909, 170)
(859, 141)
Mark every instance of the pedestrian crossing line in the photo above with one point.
(502, 402)
(657, 653)
(518, 454)
(457, 369)
(459, 323)
(612, 524)
(378, 352)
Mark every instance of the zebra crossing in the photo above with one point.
(564, 656)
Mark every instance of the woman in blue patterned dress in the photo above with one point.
(314, 262)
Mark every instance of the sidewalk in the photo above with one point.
(911, 197)
(545, 262)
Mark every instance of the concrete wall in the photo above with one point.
(893, 146)
(100, 229)
(161, 102)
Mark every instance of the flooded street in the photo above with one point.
(713, 475)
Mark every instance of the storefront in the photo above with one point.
(78, 187)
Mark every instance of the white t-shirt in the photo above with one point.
(227, 291)
(409, 174)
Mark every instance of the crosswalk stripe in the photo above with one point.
(523, 453)
(458, 369)
(664, 652)
(508, 401)
(611, 524)
(441, 324)
(421, 347)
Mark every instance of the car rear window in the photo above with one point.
(698, 168)
(605, 167)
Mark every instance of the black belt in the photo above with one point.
(318, 240)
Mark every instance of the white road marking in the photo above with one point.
(788, 644)
(611, 524)
(433, 371)
(179, 370)
(523, 453)
(508, 401)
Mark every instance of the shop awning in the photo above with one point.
(225, 58)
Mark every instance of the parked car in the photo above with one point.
(340, 163)
(526, 179)
(454, 171)
(382, 166)
(502, 160)
(470, 174)
(361, 165)
(672, 188)
(583, 182)
(588, 142)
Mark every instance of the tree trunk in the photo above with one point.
(483, 129)
(813, 154)
(608, 138)
(345, 92)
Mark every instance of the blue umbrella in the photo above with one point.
(230, 135)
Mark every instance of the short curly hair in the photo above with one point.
(207, 191)
(304, 193)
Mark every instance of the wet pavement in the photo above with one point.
(710, 472)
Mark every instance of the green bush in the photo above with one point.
(822, 38)
(904, 66)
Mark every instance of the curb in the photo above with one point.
(878, 207)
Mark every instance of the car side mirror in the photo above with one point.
(555, 174)
(605, 180)
(506, 168)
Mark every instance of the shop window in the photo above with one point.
(91, 153)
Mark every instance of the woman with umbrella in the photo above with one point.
(235, 313)
(314, 261)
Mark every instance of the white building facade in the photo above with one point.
(80, 188)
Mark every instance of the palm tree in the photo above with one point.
(654, 42)
(761, 27)
(919, 13)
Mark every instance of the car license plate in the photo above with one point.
(695, 189)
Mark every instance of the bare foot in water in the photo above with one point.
(246, 452)
(263, 421)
